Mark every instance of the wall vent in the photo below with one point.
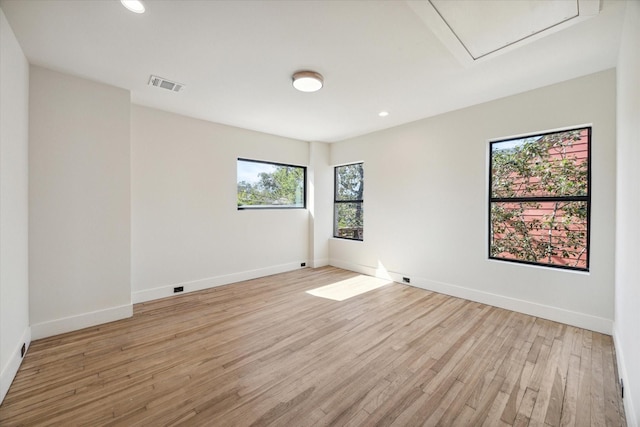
(165, 84)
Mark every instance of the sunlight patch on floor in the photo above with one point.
(348, 288)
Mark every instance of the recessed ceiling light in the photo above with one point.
(307, 81)
(383, 113)
(135, 6)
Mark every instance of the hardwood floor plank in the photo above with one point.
(513, 388)
(266, 352)
(526, 407)
(569, 404)
(558, 387)
(494, 416)
(597, 383)
(474, 375)
(429, 409)
(583, 407)
(611, 389)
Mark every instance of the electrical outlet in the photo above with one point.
(178, 289)
(406, 280)
(23, 350)
(303, 264)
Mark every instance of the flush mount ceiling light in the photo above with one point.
(383, 113)
(135, 6)
(307, 81)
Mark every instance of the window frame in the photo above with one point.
(336, 202)
(586, 199)
(262, 207)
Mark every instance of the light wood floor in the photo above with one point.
(265, 352)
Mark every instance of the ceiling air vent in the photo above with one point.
(165, 84)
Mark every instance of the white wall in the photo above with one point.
(425, 204)
(186, 228)
(320, 214)
(79, 195)
(14, 215)
(627, 319)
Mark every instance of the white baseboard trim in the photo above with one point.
(10, 370)
(80, 321)
(365, 269)
(321, 262)
(630, 411)
(581, 320)
(210, 282)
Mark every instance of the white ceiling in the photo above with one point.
(236, 59)
(512, 21)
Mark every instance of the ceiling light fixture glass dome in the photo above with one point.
(307, 81)
(135, 6)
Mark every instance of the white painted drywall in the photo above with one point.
(627, 319)
(425, 203)
(79, 195)
(186, 228)
(320, 214)
(14, 214)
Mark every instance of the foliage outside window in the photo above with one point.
(539, 201)
(270, 185)
(348, 201)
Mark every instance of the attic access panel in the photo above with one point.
(474, 30)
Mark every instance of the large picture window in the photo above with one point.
(270, 185)
(348, 201)
(539, 199)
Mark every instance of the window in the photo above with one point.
(349, 185)
(539, 199)
(270, 185)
